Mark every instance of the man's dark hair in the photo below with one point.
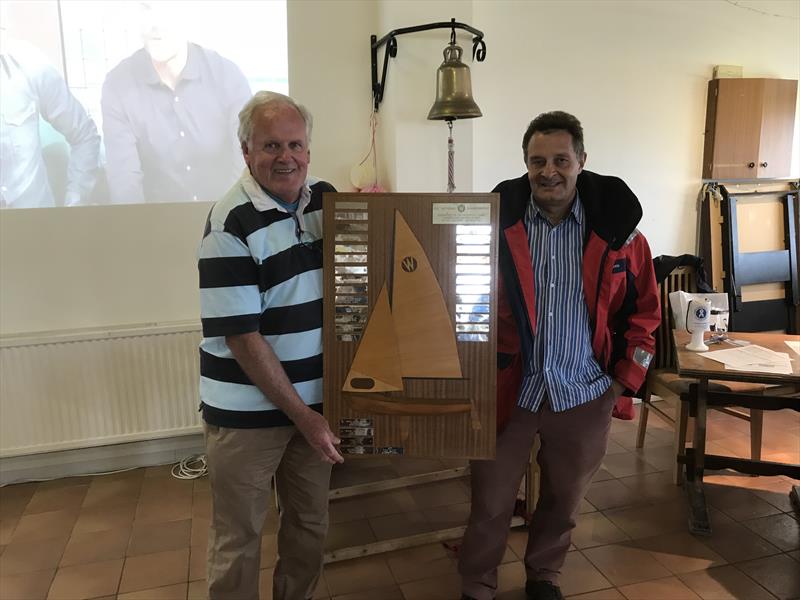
(549, 122)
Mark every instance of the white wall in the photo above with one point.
(634, 72)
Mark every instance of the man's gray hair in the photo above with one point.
(261, 99)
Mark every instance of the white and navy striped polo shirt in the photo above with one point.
(256, 275)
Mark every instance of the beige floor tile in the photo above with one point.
(344, 510)
(595, 529)
(579, 576)
(60, 498)
(154, 570)
(168, 508)
(654, 487)
(440, 493)
(26, 586)
(624, 465)
(384, 593)
(681, 552)
(446, 517)
(7, 527)
(606, 594)
(623, 565)
(602, 475)
(778, 574)
(724, 583)
(648, 521)
(158, 471)
(201, 505)
(344, 477)
(95, 546)
(358, 575)
(586, 507)
(661, 457)
(86, 581)
(147, 538)
(420, 562)
(518, 541)
(391, 527)
(41, 526)
(782, 530)
(446, 587)
(199, 533)
(14, 499)
(198, 560)
(24, 557)
(735, 543)
(737, 503)
(102, 518)
(111, 492)
(197, 590)
(346, 535)
(510, 576)
(669, 588)
(612, 493)
(388, 503)
(778, 499)
(169, 592)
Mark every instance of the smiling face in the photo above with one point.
(553, 168)
(277, 151)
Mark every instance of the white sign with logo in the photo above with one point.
(461, 213)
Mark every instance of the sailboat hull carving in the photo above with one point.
(383, 404)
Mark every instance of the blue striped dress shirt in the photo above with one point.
(563, 367)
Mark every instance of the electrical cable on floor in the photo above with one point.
(191, 467)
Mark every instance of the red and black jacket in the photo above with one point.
(618, 282)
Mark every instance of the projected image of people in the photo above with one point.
(32, 90)
(169, 115)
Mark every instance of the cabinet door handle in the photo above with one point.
(751, 165)
(764, 164)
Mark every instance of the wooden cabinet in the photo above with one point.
(749, 127)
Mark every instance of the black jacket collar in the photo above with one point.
(612, 209)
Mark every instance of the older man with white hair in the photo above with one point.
(260, 264)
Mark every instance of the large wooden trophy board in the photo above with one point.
(409, 323)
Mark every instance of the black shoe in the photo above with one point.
(542, 590)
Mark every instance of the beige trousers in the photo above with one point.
(241, 464)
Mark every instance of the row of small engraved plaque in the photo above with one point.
(473, 282)
(351, 279)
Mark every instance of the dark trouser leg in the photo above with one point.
(494, 492)
(573, 446)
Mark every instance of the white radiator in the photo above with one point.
(90, 388)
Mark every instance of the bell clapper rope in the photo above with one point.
(451, 179)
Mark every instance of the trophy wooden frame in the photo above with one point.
(410, 323)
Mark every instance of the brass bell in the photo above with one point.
(453, 89)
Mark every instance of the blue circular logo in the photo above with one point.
(700, 313)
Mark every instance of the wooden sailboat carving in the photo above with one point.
(409, 334)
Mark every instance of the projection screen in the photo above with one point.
(121, 102)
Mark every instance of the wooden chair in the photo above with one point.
(663, 380)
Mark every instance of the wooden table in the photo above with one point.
(786, 394)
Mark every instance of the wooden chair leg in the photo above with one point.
(644, 410)
(756, 432)
(681, 427)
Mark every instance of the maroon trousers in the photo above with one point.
(573, 444)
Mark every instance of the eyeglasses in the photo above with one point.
(304, 237)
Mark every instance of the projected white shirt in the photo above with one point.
(165, 145)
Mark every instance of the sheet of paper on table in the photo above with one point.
(794, 346)
(752, 358)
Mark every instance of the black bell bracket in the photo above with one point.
(390, 40)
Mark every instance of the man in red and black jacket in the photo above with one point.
(577, 307)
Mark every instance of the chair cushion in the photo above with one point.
(679, 385)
